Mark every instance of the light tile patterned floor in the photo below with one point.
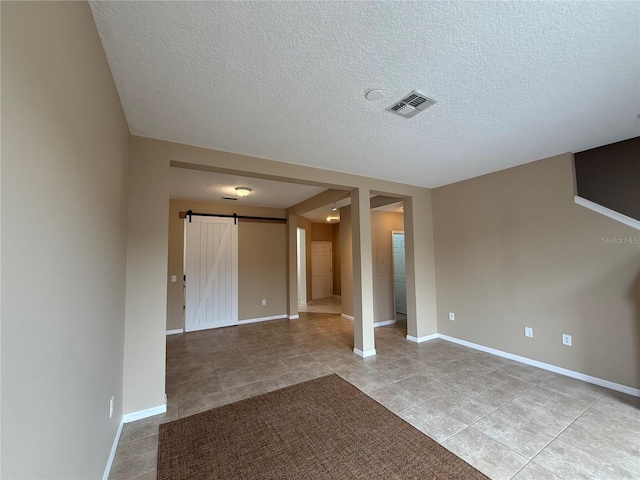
(323, 305)
(509, 420)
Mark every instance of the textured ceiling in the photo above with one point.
(514, 81)
(199, 185)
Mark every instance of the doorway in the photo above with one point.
(211, 272)
(321, 270)
(399, 276)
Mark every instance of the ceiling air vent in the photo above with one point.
(412, 104)
(229, 198)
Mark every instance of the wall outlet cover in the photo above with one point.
(528, 332)
(566, 339)
(111, 405)
(264, 301)
(452, 316)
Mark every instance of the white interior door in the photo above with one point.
(399, 273)
(321, 275)
(211, 269)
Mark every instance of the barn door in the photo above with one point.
(211, 269)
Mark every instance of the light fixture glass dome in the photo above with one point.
(243, 191)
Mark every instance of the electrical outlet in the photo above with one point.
(566, 339)
(111, 405)
(174, 279)
(452, 316)
(264, 301)
(528, 332)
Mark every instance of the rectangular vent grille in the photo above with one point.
(412, 104)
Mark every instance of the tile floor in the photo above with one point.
(323, 305)
(509, 420)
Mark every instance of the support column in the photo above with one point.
(146, 286)
(420, 268)
(363, 331)
(292, 266)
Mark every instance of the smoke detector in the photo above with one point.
(412, 104)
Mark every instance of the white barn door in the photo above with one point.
(211, 269)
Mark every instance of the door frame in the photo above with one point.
(330, 267)
(393, 271)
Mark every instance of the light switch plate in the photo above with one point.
(174, 279)
(528, 332)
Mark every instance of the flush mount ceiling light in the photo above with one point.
(334, 208)
(330, 218)
(243, 191)
(412, 104)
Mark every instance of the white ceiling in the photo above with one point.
(514, 81)
(199, 185)
(322, 214)
(393, 207)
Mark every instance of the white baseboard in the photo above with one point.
(546, 366)
(368, 353)
(263, 319)
(422, 339)
(607, 212)
(294, 317)
(384, 323)
(376, 324)
(149, 412)
(175, 332)
(112, 454)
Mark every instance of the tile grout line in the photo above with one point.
(560, 433)
(578, 448)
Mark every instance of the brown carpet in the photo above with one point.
(321, 429)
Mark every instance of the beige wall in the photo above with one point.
(382, 224)
(513, 250)
(262, 269)
(64, 218)
(346, 261)
(146, 297)
(329, 232)
(305, 224)
(337, 262)
(147, 267)
(322, 232)
(261, 260)
(422, 318)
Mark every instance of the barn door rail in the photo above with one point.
(189, 213)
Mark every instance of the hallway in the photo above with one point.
(323, 305)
